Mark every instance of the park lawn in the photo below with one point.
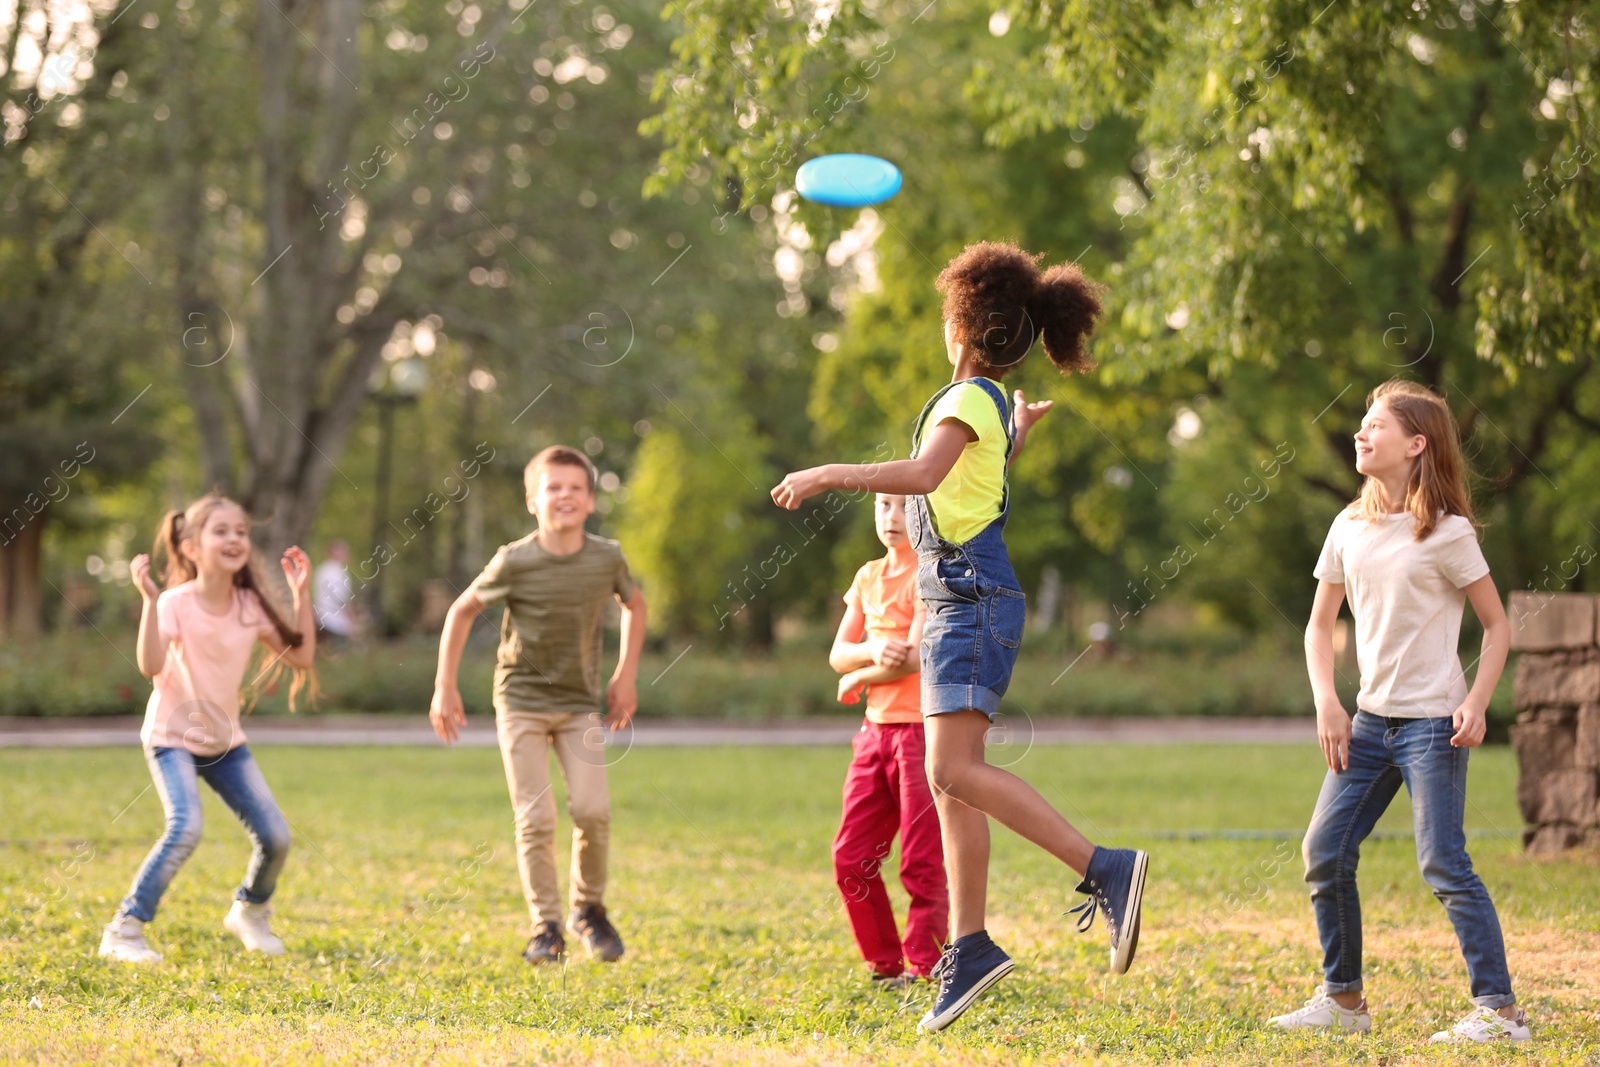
(403, 916)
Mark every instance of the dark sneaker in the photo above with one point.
(601, 938)
(546, 945)
(1115, 882)
(969, 966)
(896, 982)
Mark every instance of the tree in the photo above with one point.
(64, 403)
(1312, 199)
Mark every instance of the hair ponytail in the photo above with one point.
(249, 577)
(176, 567)
(998, 304)
(1066, 305)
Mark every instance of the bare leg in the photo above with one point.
(968, 789)
(966, 863)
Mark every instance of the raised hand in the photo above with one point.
(297, 569)
(139, 571)
(1027, 414)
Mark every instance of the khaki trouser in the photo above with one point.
(525, 741)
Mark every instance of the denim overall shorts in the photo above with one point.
(974, 609)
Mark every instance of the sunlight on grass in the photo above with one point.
(404, 920)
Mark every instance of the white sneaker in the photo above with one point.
(249, 923)
(1322, 1012)
(123, 941)
(1484, 1025)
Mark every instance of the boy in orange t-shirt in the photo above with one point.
(886, 789)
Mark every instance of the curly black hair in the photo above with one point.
(998, 302)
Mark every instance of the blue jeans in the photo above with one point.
(235, 778)
(1384, 753)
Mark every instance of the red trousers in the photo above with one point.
(886, 791)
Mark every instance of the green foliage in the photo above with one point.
(1289, 204)
(1152, 672)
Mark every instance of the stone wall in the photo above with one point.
(1556, 691)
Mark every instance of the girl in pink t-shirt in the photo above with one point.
(196, 640)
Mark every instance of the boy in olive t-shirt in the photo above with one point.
(555, 584)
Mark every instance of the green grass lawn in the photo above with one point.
(404, 920)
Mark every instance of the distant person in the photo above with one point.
(333, 595)
(886, 788)
(1406, 553)
(997, 303)
(195, 642)
(555, 584)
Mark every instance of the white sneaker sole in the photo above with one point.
(931, 1023)
(120, 954)
(1447, 1037)
(1364, 1026)
(250, 944)
(1122, 955)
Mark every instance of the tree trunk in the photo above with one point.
(20, 604)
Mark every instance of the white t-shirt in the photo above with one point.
(1406, 596)
(330, 597)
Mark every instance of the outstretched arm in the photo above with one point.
(902, 477)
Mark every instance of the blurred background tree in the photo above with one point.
(322, 256)
(1289, 204)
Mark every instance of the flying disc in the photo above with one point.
(847, 180)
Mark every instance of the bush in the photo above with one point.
(70, 674)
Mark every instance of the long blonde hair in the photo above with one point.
(1438, 482)
(180, 526)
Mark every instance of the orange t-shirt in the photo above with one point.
(889, 605)
(195, 704)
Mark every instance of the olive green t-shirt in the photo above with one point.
(550, 636)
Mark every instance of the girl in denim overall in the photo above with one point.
(1406, 554)
(997, 304)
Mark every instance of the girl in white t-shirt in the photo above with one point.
(1406, 554)
(196, 640)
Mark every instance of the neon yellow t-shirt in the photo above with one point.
(970, 496)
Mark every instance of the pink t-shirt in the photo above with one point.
(195, 704)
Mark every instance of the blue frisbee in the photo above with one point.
(847, 180)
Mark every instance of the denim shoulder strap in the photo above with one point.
(988, 386)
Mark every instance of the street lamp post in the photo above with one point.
(392, 387)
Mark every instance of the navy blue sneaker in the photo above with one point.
(968, 967)
(1115, 882)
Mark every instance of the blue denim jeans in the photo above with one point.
(235, 778)
(1384, 754)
